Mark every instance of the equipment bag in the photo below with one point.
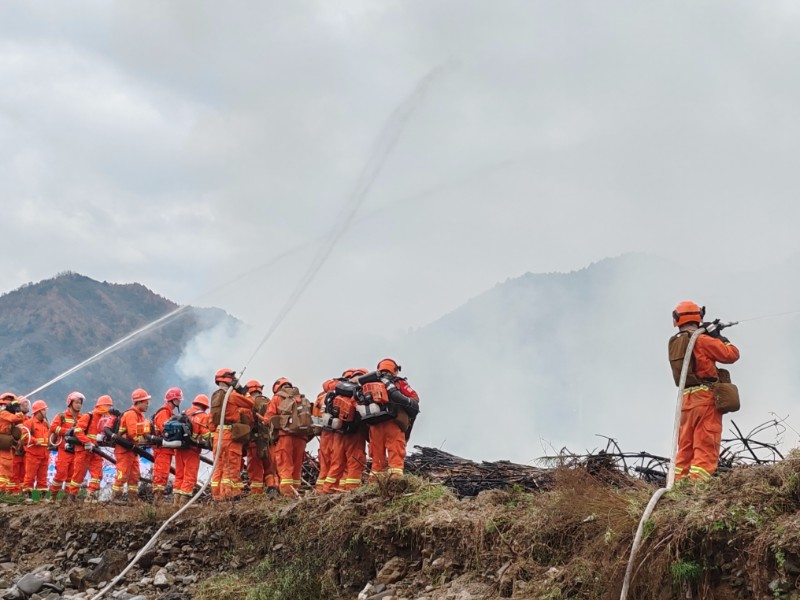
(344, 408)
(294, 413)
(216, 406)
(6, 441)
(726, 394)
(375, 393)
(678, 344)
(240, 433)
(177, 431)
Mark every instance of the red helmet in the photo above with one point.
(6, 397)
(173, 394)
(38, 405)
(225, 376)
(104, 401)
(687, 312)
(254, 385)
(388, 364)
(201, 400)
(139, 395)
(279, 384)
(74, 396)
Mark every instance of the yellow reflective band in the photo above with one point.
(697, 388)
(90, 481)
(215, 484)
(393, 470)
(679, 469)
(287, 481)
(701, 471)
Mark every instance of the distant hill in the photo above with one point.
(50, 326)
(557, 358)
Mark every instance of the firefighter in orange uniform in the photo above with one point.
(187, 460)
(163, 456)
(387, 439)
(324, 455)
(290, 449)
(701, 423)
(226, 481)
(86, 460)
(18, 468)
(349, 449)
(135, 429)
(10, 420)
(34, 437)
(62, 423)
(258, 447)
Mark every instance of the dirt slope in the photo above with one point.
(735, 537)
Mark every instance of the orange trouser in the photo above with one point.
(387, 438)
(161, 466)
(36, 462)
(226, 481)
(64, 465)
(86, 461)
(348, 458)
(6, 469)
(699, 436)
(324, 456)
(257, 469)
(272, 480)
(17, 473)
(289, 454)
(187, 465)
(127, 471)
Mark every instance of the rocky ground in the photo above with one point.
(736, 537)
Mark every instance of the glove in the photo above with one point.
(724, 339)
(89, 447)
(241, 389)
(13, 408)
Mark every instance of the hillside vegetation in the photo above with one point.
(735, 537)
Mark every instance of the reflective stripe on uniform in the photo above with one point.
(696, 388)
(700, 471)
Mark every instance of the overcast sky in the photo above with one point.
(179, 144)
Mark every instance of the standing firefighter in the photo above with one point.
(187, 459)
(37, 454)
(62, 423)
(226, 481)
(10, 432)
(18, 468)
(289, 412)
(701, 422)
(86, 459)
(258, 464)
(387, 439)
(134, 429)
(325, 454)
(348, 454)
(163, 456)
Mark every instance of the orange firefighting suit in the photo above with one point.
(325, 441)
(89, 425)
(7, 421)
(37, 454)
(258, 469)
(290, 451)
(701, 423)
(348, 459)
(226, 481)
(65, 461)
(187, 460)
(162, 456)
(388, 438)
(133, 426)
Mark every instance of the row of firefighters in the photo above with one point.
(270, 435)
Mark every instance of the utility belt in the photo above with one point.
(726, 394)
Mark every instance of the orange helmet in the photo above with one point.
(687, 312)
(104, 401)
(6, 397)
(201, 400)
(357, 372)
(38, 405)
(279, 384)
(74, 396)
(173, 394)
(254, 385)
(329, 385)
(139, 395)
(388, 364)
(225, 376)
